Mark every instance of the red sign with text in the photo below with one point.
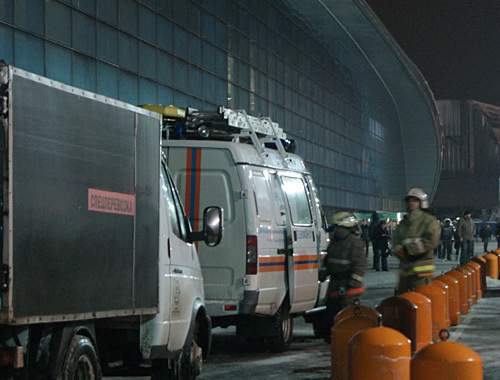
(114, 203)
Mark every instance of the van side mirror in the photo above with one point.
(213, 225)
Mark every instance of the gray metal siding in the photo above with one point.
(67, 258)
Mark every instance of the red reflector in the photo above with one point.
(252, 256)
(230, 307)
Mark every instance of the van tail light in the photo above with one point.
(252, 256)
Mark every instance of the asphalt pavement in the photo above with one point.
(309, 357)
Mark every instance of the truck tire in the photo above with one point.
(283, 327)
(81, 362)
(186, 367)
(189, 364)
(161, 371)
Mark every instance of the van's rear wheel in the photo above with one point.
(81, 362)
(283, 328)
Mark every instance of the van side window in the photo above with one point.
(279, 201)
(179, 223)
(298, 200)
(261, 194)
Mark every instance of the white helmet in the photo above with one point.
(420, 195)
(447, 220)
(344, 219)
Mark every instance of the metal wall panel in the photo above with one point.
(67, 258)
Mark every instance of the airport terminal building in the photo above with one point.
(327, 71)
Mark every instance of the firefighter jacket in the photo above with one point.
(466, 229)
(345, 262)
(417, 235)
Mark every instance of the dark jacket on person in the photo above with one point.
(373, 224)
(365, 233)
(466, 229)
(485, 232)
(447, 233)
(380, 238)
(345, 262)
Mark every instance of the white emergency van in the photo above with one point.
(265, 270)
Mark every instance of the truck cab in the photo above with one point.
(99, 268)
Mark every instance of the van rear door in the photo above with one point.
(304, 275)
(208, 176)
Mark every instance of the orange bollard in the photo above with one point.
(496, 252)
(439, 308)
(471, 286)
(446, 360)
(379, 353)
(482, 262)
(400, 314)
(491, 265)
(357, 310)
(462, 290)
(424, 318)
(446, 289)
(341, 333)
(477, 274)
(453, 297)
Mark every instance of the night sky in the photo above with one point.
(454, 43)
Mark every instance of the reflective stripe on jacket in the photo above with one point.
(345, 261)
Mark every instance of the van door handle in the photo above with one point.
(284, 251)
(177, 270)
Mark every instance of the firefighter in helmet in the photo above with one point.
(414, 241)
(345, 263)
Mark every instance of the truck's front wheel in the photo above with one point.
(189, 364)
(186, 367)
(81, 362)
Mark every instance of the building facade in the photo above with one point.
(471, 158)
(327, 71)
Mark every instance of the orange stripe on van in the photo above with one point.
(305, 262)
(271, 264)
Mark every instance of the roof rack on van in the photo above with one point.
(223, 124)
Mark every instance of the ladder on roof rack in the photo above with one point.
(223, 124)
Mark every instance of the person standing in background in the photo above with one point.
(365, 235)
(485, 236)
(497, 234)
(466, 231)
(446, 238)
(373, 224)
(380, 243)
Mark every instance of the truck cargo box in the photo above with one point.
(80, 200)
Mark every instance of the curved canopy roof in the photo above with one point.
(412, 97)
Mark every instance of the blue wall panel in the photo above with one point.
(28, 52)
(204, 53)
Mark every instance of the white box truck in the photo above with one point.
(99, 272)
(266, 270)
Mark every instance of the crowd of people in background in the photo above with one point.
(456, 238)
(417, 241)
